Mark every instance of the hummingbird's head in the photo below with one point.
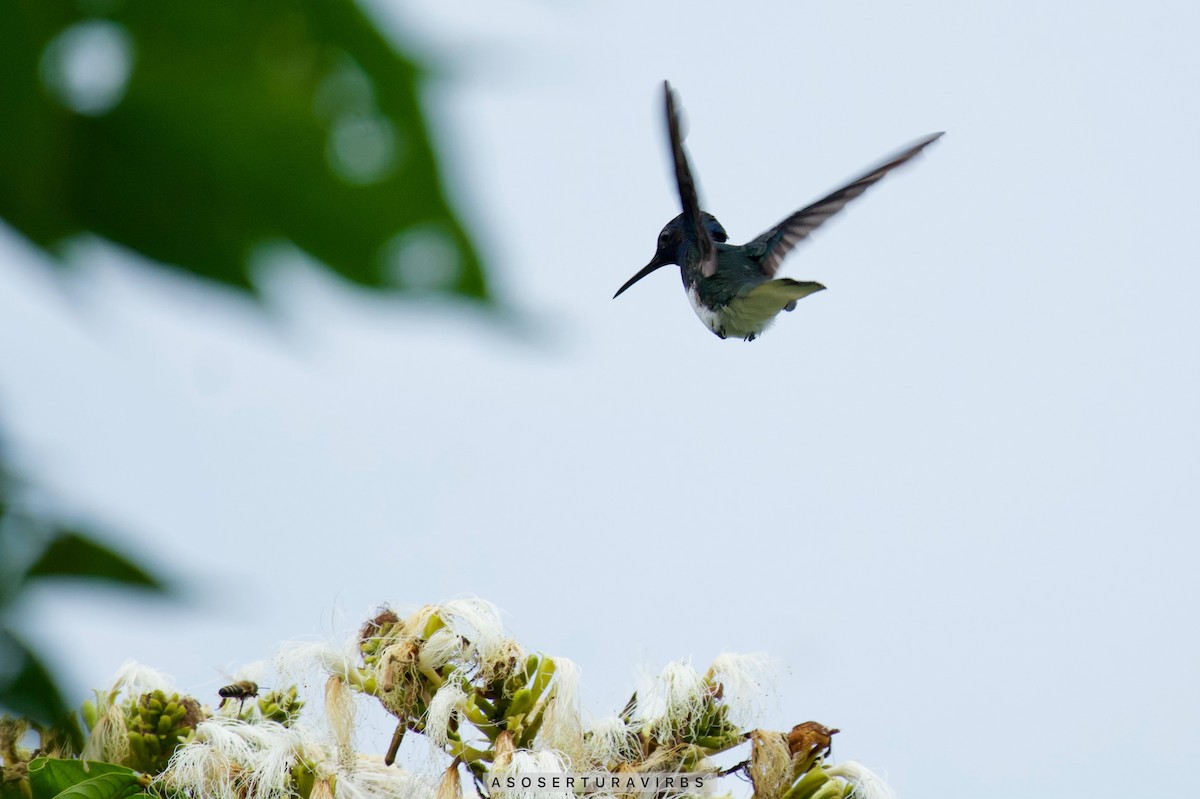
(673, 245)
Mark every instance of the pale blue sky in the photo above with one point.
(956, 492)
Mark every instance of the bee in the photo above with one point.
(241, 691)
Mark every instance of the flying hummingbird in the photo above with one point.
(733, 288)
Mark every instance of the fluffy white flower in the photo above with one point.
(478, 622)
(526, 763)
(609, 740)
(109, 741)
(369, 778)
(231, 758)
(445, 705)
(299, 660)
(473, 632)
(339, 712)
(545, 762)
(202, 770)
(136, 679)
(228, 736)
(562, 729)
(676, 699)
(867, 784)
(442, 647)
(748, 680)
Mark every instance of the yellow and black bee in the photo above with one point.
(241, 691)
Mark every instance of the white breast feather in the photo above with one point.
(710, 318)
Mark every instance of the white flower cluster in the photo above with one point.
(230, 758)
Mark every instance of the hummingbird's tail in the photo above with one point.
(752, 312)
(767, 299)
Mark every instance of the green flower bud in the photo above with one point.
(281, 706)
(432, 625)
(807, 786)
(90, 713)
(522, 703)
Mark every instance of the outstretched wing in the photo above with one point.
(694, 228)
(774, 245)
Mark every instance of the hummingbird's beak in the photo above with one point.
(655, 263)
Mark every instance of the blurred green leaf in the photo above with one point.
(71, 554)
(75, 779)
(33, 546)
(193, 132)
(26, 687)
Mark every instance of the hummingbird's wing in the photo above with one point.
(774, 245)
(694, 227)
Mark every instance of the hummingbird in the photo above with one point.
(732, 287)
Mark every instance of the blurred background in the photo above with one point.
(306, 306)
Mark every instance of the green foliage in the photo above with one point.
(205, 129)
(73, 554)
(51, 778)
(34, 548)
(193, 133)
(26, 686)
